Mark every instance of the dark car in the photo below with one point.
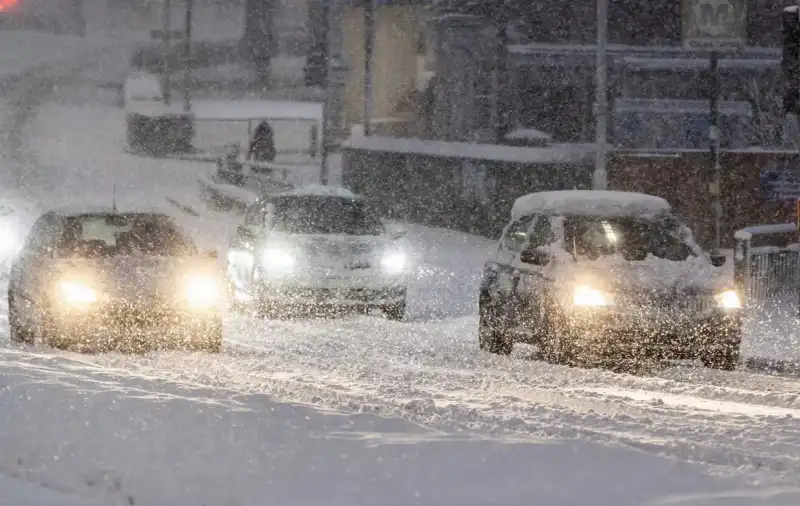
(100, 279)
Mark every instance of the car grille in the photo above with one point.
(682, 302)
(355, 294)
(141, 314)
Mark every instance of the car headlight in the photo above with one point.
(276, 258)
(393, 263)
(77, 293)
(728, 300)
(586, 296)
(202, 291)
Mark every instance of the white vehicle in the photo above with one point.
(606, 275)
(317, 247)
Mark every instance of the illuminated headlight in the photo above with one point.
(728, 300)
(393, 263)
(77, 293)
(202, 291)
(586, 296)
(278, 259)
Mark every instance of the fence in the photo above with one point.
(767, 262)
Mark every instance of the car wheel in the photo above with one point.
(395, 312)
(722, 350)
(557, 344)
(18, 332)
(490, 337)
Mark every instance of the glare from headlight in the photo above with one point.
(202, 291)
(75, 292)
(279, 259)
(728, 300)
(586, 296)
(393, 263)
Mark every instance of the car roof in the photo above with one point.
(68, 211)
(317, 191)
(604, 203)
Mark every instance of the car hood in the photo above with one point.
(335, 250)
(134, 278)
(652, 276)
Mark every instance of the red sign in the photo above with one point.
(7, 4)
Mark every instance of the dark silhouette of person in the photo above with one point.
(262, 147)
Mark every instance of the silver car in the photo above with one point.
(95, 280)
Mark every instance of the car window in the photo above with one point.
(516, 235)
(324, 215)
(542, 233)
(102, 235)
(42, 235)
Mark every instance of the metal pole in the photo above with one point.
(713, 135)
(187, 58)
(600, 179)
(167, 46)
(369, 48)
(326, 110)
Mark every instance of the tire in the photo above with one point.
(395, 312)
(18, 333)
(209, 340)
(557, 344)
(722, 349)
(490, 337)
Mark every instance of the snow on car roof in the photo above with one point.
(318, 191)
(590, 203)
(75, 210)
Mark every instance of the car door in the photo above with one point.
(243, 252)
(29, 273)
(528, 295)
(499, 272)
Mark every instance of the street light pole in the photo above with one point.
(166, 28)
(187, 58)
(713, 147)
(369, 49)
(600, 177)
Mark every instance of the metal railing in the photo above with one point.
(763, 271)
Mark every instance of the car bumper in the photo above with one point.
(670, 334)
(316, 288)
(122, 319)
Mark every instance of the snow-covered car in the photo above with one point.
(317, 247)
(90, 279)
(604, 275)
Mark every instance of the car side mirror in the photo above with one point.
(718, 260)
(534, 256)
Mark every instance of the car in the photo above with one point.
(605, 277)
(93, 278)
(317, 248)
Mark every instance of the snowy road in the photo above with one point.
(356, 404)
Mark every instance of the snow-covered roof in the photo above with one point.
(76, 209)
(529, 133)
(746, 234)
(317, 191)
(555, 154)
(590, 203)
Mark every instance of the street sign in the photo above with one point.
(714, 24)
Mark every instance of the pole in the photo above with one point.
(187, 58)
(369, 49)
(326, 111)
(601, 98)
(166, 84)
(713, 135)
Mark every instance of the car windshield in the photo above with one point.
(324, 215)
(106, 235)
(634, 239)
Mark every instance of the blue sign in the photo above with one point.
(780, 184)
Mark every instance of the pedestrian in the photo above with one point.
(262, 147)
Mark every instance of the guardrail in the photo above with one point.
(763, 271)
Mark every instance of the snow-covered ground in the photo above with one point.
(357, 410)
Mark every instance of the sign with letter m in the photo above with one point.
(714, 24)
